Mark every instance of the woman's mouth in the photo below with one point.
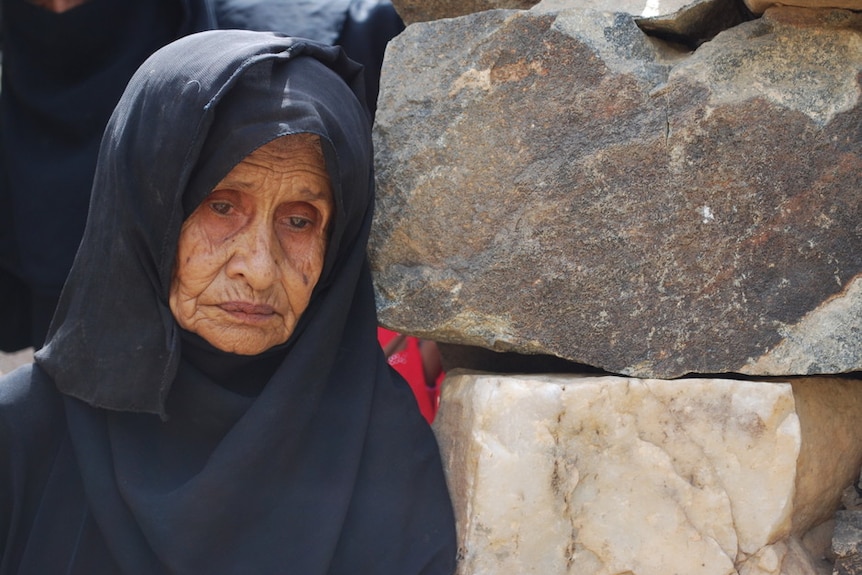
(248, 311)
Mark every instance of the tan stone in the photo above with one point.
(830, 458)
(760, 6)
(605, 474)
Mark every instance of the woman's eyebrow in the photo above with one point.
(242, 184)
(310, 194)
(236, 183)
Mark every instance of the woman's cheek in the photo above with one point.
(198, 267)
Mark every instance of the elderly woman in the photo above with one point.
(65, 64)
(212, 398)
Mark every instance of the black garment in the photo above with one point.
(319, 20)
(62, 76)
(361, 27)
(369, 27)
(150, 462)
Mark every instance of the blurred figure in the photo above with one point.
(65, 65)
(361, 27)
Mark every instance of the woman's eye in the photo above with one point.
(222, 208)
(298, 217)
(298, 223)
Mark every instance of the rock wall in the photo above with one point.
(543, 175)
(665, 191)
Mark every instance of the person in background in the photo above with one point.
(418, 361)
(65, 64)
(361, 27)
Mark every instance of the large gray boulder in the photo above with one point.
(563, 184)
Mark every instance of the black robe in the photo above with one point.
(132, 447)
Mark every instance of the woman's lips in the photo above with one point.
(248, 311)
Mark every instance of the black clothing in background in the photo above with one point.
(319, 20)
(369, 26)
(311, 458)
(361, 27)
(62, 75)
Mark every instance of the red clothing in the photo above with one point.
(408, 362)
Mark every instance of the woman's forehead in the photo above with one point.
(293, 154)
(291, 149)
(291, 142)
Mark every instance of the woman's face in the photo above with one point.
(250, 255)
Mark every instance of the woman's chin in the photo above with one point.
(244, 340)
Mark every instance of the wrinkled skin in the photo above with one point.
(251, 253)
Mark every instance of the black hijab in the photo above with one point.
(327, 467)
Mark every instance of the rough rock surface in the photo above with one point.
(847, 542)
(424, 10)
(639, 8)
(689, 21)
(566, 185)
(604, 474)
(686, 21)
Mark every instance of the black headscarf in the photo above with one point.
(327, 467)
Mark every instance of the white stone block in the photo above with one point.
(606, 475)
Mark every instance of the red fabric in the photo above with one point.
(408, 362)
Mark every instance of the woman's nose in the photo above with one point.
(255, 257)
